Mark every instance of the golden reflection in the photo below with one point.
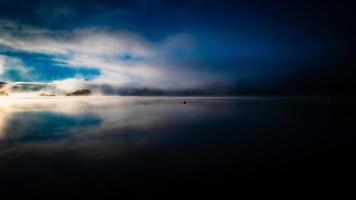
(92, 125)
(114, 113)
(9, 106)
(4, 116)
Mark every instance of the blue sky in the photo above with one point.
(169, 43)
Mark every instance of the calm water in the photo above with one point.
(147, 144)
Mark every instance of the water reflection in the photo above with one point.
(112, 142)
(23, 118)
(100, 123)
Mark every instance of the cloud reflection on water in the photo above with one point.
(94, 124)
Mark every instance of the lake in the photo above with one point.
(163, 145)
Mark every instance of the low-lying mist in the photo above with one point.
(78, 87)
(36, 89)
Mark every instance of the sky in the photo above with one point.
(285, 45)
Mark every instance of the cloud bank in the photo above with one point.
(123, 58)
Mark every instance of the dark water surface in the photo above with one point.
(149, 145)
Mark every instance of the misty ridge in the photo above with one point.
(34, 89)
(291, 87)
(52, 89)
